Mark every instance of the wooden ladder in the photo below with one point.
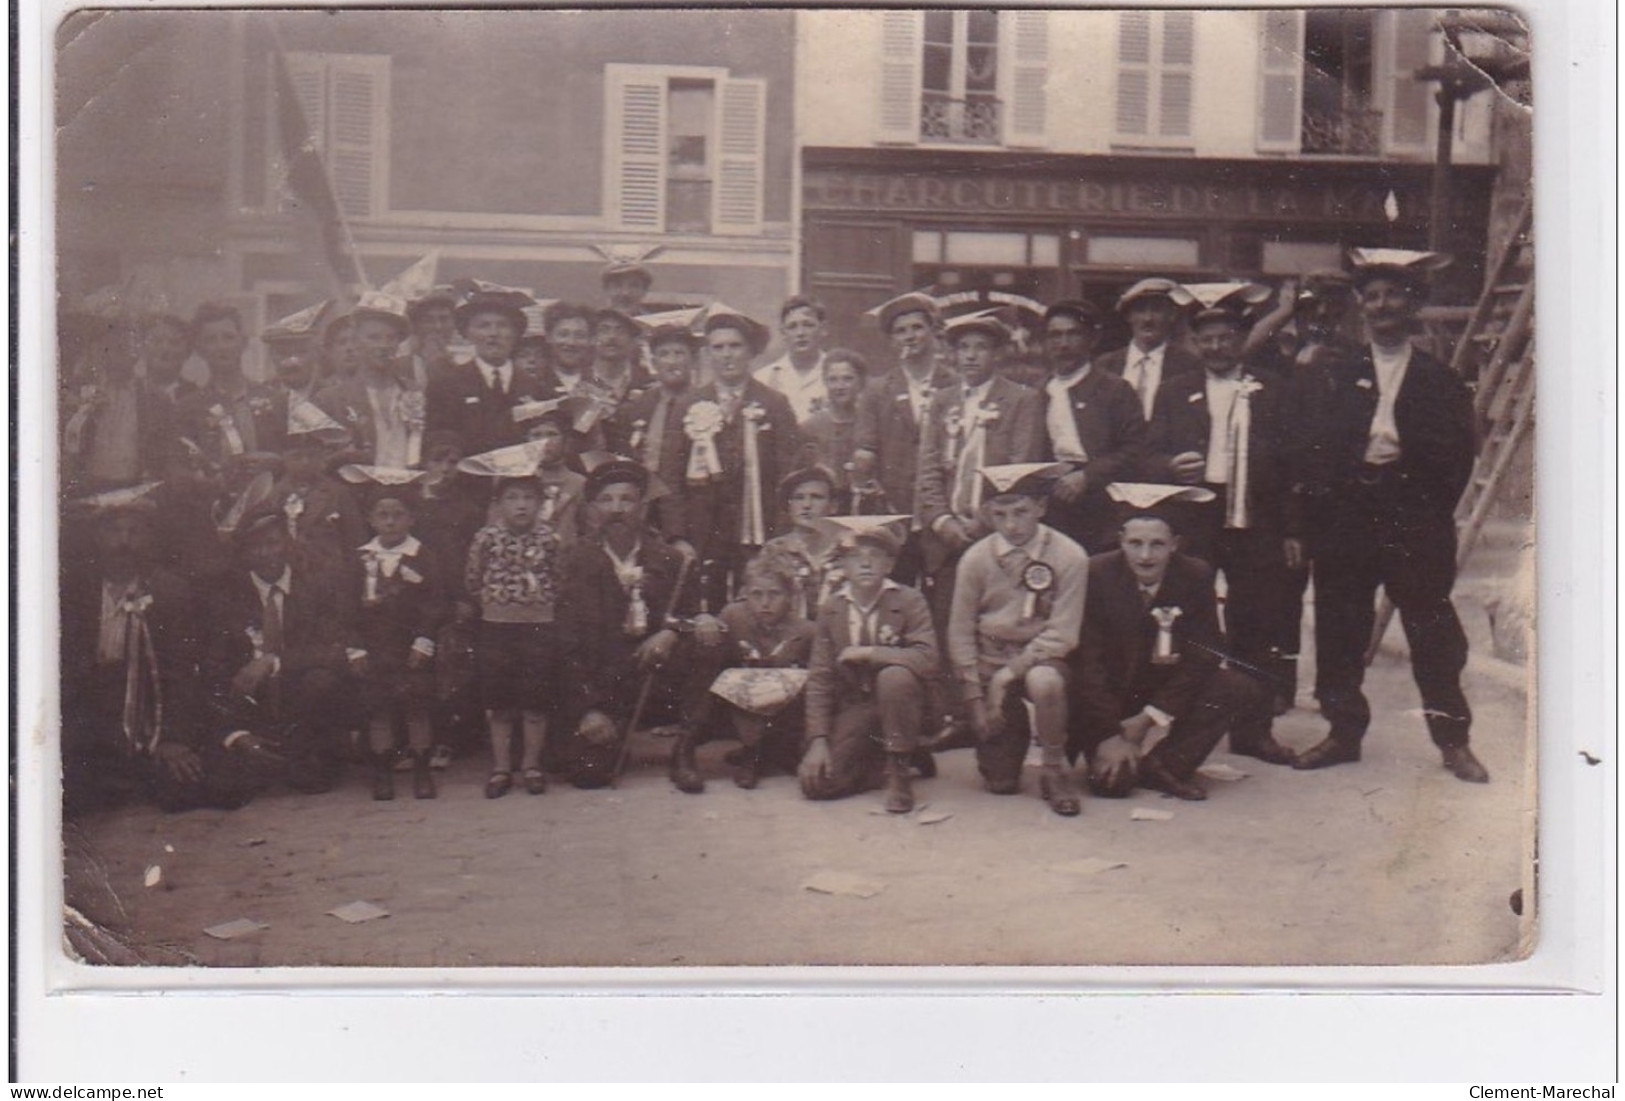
(1499, 348)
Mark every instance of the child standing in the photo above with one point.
(511, 575)
(403, 605)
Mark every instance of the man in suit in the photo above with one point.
(231, 415)
(380, 405)
(476, 399)
(1223, 430)
(653, 417)
(1152, 356)
(278, 662)
(738, 440)
(617, 378)
(985, 420)
(1393, 455)
(1092, 422)
(1148, 659)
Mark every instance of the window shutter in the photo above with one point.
(308, 73)
(1280, 93)
(1028, 120)
(1408, 116)
(1134, 73)
(1178, 60)
(635, 147)
(901, 42)
(737, 195)
(358, 132)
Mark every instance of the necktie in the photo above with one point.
(866, 636)
(273, 620)
(1141, 381)
(495, 381)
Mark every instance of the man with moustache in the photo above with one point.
(1093, 422)
(1151, 357)
(1392, 456)
(476, 399)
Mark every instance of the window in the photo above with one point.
(345, 102)
(1408, 125)
(964, 77)
(1156, 55)
(1317, 85)
(683, 150)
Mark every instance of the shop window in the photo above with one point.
(1145, 252)
(683, 150)
(344, 99)
(964, 77)
(1156, 56)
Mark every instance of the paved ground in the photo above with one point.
(1388, 861)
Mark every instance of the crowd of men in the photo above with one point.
(464, 525)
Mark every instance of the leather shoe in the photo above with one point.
(1328, 752)
(1154, 776)
(1460, 760)
(1060, 793)
(1265, 749)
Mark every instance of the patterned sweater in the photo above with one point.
(513, 574)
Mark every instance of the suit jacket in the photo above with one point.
(460, 401)
(1434, 415)
(638, 412)
(1016, 435)
(710, 512)
(1111, 426)
(1183, 423)
(1176, 362)
(347, 401)
(887, 429)
(266, 408)
(411, 604)
(1116, 678)
(617, 427)
(904, 621)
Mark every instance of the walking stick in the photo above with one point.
(648, 678)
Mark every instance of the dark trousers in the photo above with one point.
(866, 729)
(304, 716)
(1253, 561)
(1371, 539)
(1229, 702)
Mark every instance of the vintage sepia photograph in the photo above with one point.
(1004, 487)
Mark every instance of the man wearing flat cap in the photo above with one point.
(1152, 308)
(476, 399)
(1392, 457)
(1092, 422)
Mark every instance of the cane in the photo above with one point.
(648, 678)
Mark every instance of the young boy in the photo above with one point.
(1017, 607)
(874, 650)
(511, 575)
(760, 634)
(403, 605)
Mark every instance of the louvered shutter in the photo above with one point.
(737, 195)
(901, 41)
(635, 148)
(1028, 96)
(358, 132)
(1175, 82)
(1407, 119)
(1280, 90)
(1134, 73)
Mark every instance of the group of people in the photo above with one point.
(436, 532)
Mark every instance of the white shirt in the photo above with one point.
(1063, 430)
(389, 558)
(919, 394)
(804, 390)
(1383, 445)
(857, 615)
(388, 426)
(503, 373)
(1221, 402)
(1143, 371)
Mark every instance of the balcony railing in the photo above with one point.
(1350, 132)
(973, 120)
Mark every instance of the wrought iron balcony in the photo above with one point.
(1347, 131)
(973, 120)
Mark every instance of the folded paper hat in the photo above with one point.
(763, 692)
(1234, 293)
(1151, 494)
(383, 306)
(557, 409)
(1155, 287)
(877, 530)
(305, 324)
(520, 460)
(619, 317)
(416, 283)
(628, 259)
(310, 421)
(136, 498)
(377, 483)
(718, 315)
(982, 321)
(1409, 265)
(890, 310)
(687, 317)
(1025, 479)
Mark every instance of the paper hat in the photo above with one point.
(1024, 479)
(558, 410)
(1408, 265)
(1155, 288)
(763, 692)
(136, 498)
(624, 320)
(605, 468)
(878, 531)
(1229, 302)
(309, 420)
(627, 259)
(688, 317)
(304, 324)
(482, 297)
(416, 283)
(718, 316)
(378, 483)
(1137, 500)
(383, 307)
(890, 310)
(441, 294)
(1084, 311)
(668, 334)
(815, 473)
(520, 460)
(983, 321)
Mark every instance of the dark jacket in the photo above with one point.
(911, 643)
(709, 512)
(1015, 435)
(460, 401)
(887, 429)
(1111, 427)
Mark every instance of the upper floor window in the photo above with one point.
(964, 77)
(684, 150)
(344, 100)
(1156, 57)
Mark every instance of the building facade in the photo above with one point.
(1052, 153)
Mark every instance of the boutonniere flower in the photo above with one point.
(954, 424)
(887, 635)
(1363, 383)
(219, 414)
(294, 506)
(639, 430)
(986, 415)
(754, 412)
